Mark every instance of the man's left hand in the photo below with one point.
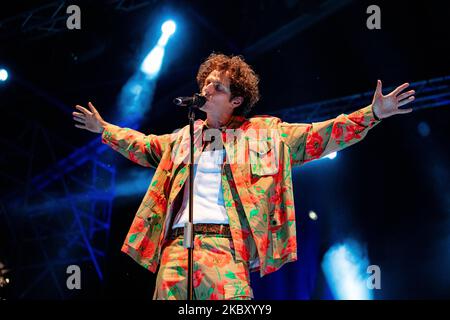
(388, 105)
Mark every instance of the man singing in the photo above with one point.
(244, 215)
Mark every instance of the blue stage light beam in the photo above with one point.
(3, 75)
(345, 268)
(135, 184)
(153, 61)
(136, 96)
(135, 99)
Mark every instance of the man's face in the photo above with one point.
(217, 91)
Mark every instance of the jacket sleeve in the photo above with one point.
(313, 141)
(142, 149)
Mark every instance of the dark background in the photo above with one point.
(390, 192)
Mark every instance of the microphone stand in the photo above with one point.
(188, 242)
(189, 226)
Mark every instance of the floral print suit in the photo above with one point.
(256, 180)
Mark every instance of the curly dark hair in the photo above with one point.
(243, 80)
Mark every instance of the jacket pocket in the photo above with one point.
(263, 157)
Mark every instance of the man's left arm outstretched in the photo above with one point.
(315, 140)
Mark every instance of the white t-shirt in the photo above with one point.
(209, 206)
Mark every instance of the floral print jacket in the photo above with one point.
(256, 180)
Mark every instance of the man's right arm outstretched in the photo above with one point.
(142, 149)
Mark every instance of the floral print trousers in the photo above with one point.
(217, 275)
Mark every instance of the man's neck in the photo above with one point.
(217, 121)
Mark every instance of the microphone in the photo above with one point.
(196, 101)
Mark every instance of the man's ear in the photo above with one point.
(237, 101)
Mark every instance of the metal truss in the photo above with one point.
(62, 221)
(429, 94)
(131, 5)
(44, 20)
(50, 19)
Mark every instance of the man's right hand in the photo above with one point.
(89, 120)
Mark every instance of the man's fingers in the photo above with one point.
(400, 88)
(80, 126)
(84, 110)
(77, 114)
(405, 101)
(379, 89)
(401, 111)
(82, 120)
(405, 95)
(91, 106)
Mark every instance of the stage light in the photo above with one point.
(345, 268)
(312, 215)
(153, 61)
(137, 94)
(331, 155)
(3, 75)
(168, 27)
(4, 280)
